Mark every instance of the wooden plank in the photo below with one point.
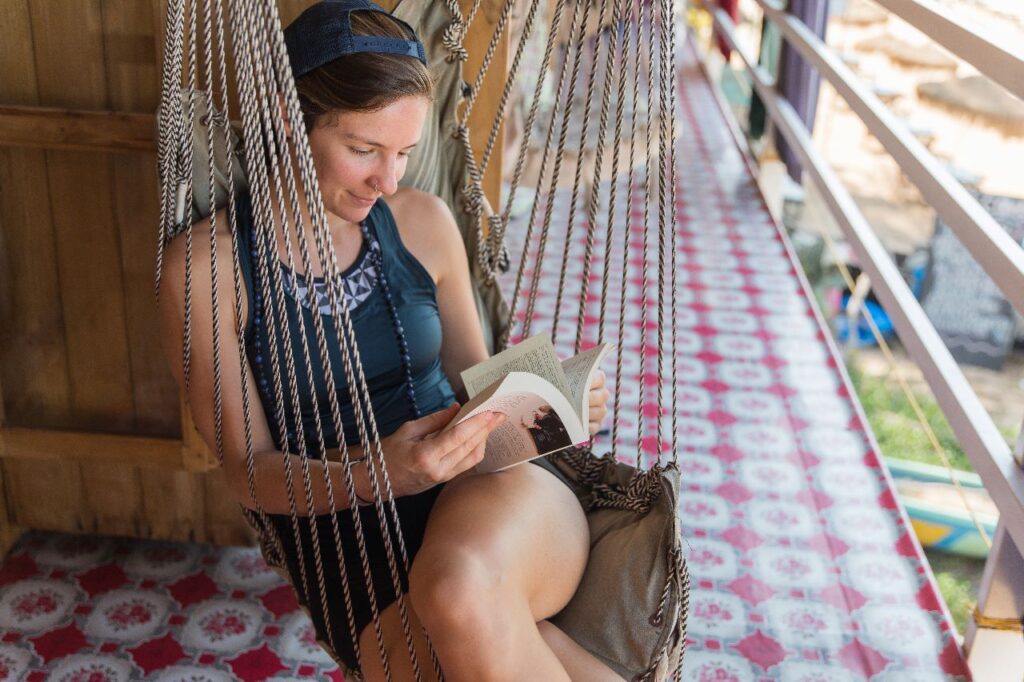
(171, 501)
(133, 86)
(137, 213)
(129, 48)
(33, 356)
(485, 110)
(172, 504)
(45, 495)
(9, 531)
(32, 349)
(88, 256)
(79, 130)
(89, 262)
(68, 41)
(101, 448)
(18, 86)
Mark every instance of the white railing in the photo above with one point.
(989, 244)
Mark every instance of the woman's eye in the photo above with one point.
(361, 152)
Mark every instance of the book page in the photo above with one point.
(540, 421)
(535, 355)
(578, 372)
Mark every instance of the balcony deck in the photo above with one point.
(804, 567)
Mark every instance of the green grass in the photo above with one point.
(958, 578)
(900, 435)
(896, 426)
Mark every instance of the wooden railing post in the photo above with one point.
(994, 633)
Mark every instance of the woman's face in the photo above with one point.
(362, 155)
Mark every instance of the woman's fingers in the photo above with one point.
(451, 446)
(466, 456)
(424, 426)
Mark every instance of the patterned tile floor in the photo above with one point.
(803, 566)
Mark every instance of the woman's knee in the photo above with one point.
(456, 591)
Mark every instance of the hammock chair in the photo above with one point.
(630, 609)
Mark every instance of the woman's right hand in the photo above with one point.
(420, 455)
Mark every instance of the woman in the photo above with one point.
(493, 556)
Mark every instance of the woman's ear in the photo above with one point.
(284, 115)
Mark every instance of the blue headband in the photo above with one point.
(323, 33)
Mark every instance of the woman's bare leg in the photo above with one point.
(501, 553)
(399, 660)
(577, 661)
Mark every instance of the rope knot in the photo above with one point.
(452, 41)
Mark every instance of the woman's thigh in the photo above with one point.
(523, 525)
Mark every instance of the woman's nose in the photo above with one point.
(387, 177)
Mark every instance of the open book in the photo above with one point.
(546, 400)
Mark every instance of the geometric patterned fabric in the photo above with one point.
(356, 284)
(803, 564)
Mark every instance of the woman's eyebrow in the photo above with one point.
(357, 138)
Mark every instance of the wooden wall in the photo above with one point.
(91, 427)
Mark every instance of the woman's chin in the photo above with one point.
(351, 214)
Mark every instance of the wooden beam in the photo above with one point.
(76, 130)
(83, 446)
(9, 531)
(481, 119)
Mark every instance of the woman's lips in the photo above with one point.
(361, 201)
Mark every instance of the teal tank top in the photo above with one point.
(414, 295)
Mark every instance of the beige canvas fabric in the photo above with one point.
(438, 165)
(630, 608)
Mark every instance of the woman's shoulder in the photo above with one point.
(176, 251)
(426, 227)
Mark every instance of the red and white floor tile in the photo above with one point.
(99, 609)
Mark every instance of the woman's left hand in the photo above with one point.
(598, 402)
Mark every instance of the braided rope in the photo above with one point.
(576, 27)
(358, 387)
(506, 91)
(674, 285)
(578, 174)
(645, 265)
(613, 51)
(617, 404)
(251, 87)
(666, 203)
(520, 164)
(171, 129)
(186, 344)
(218, 384)
(454, 34)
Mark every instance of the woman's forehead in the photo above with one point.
(397, 125)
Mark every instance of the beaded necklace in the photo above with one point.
(396, 323)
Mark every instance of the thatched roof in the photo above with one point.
(979, 97)
(926, 56)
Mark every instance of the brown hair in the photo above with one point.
(364, 81)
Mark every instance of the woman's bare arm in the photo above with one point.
(416, 459)
(269, 473)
